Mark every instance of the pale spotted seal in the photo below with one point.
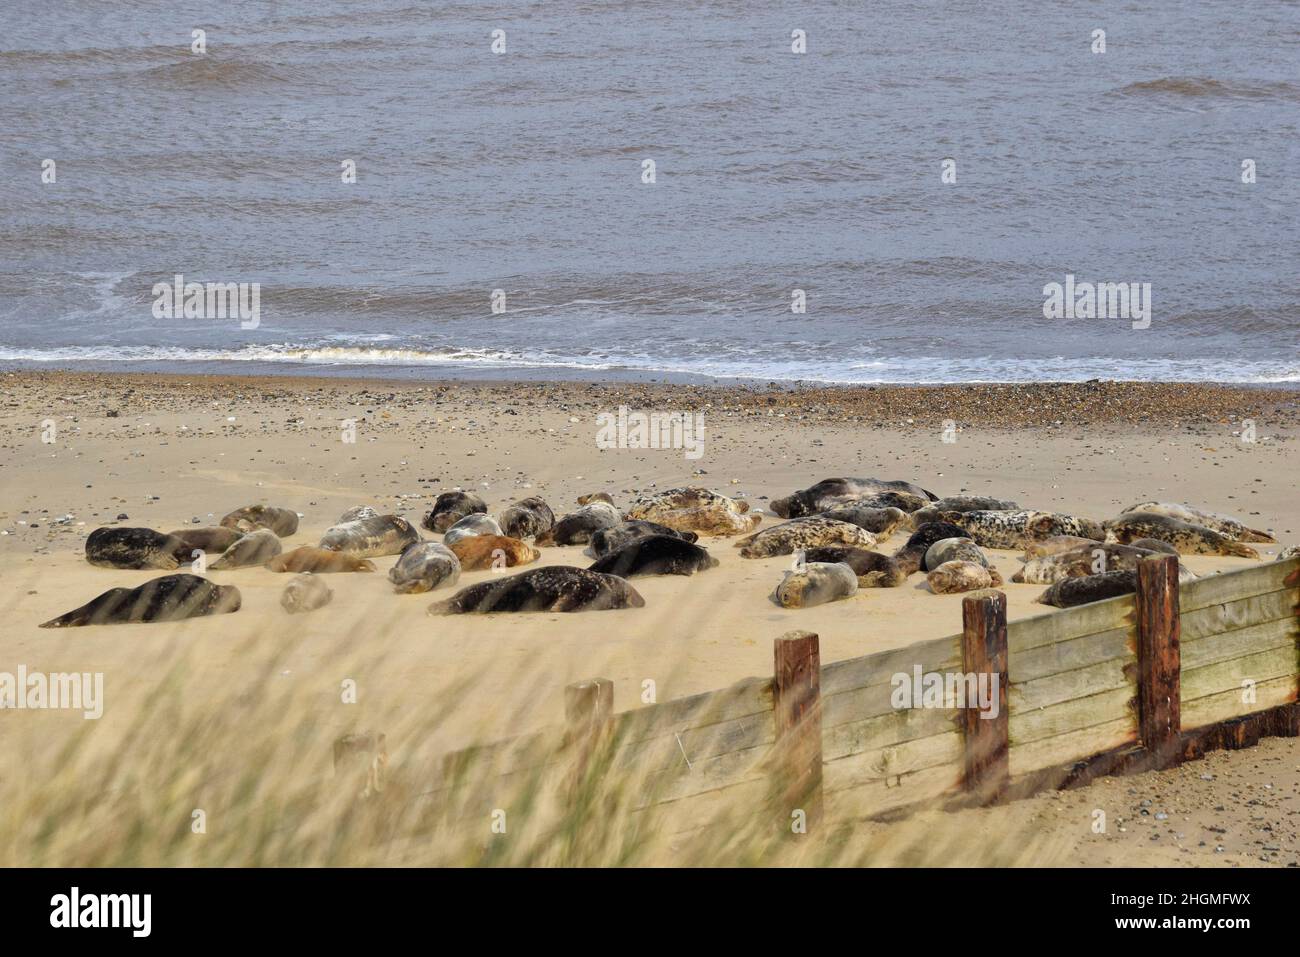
(803, 533)
(695, 510)
(839, 491)
(134, 548)
(904, 501)
(1012, 529)
(356, 513)
(576, 528)
(1223, 524)
(1291, 551)
(611, 539)
(371, 537)
(423, 567)
(873, 569)
(170, 598)
(527, 518)
(958, 576)
(1069, 592)
(1153, 545)
(1055, 545)
(305, 592)
(934, 512)
(493, 551)
(255, 548)
(556, 588)
(815, 583)
(953, 550)
(451, 507)
(596, 497)
(213, 539)
(320, 561)
(1187, 538)
(1093, 558)
(252, 518)
(655, 555)
(880, 522)
(474, 524)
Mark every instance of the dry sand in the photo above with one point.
(164, 451)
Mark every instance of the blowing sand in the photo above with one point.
(164, 451)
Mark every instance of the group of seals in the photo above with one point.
(1188, 538)
(1090, 558)
(1222, 524)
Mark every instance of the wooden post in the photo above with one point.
(987, 767)
(797, 710)
(588, 708)
(1159, 658)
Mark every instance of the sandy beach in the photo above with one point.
(170, 451)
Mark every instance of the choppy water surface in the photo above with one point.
(775, 171)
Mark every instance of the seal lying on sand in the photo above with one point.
(1069, 592)
(493, 551)
(556, 588)
(880, 522)
(476, 523)
(958, 576)
(1055, 545)
(912, 554)
(134, 548)
(695, 510)
(170, 598)
(953, 550)
(992, 529)
(905, 501)
(803, 533)
(655, 555)
(839, 491)
(611, 539)
(527, 518)
(423, 567)
(1187, 538)
(251, 518)
(320, 561)
(961, 503)
(1291, 551)
(356, 513)
(371, 537)
(576, 528)
(213, 539)
(451, 507)
(1223, 524)
(815, 584)
(596, 497)
(305, 593)
(873, 569)
(1093, 558)
(255, 548)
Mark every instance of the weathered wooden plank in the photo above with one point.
(693, 744)
(1228, 675)
(1068, 685)
(888, 763)
(1046, 660)
(1209, 709)
(984, 653)
(745, 697)
(796, 767)
(1159, 655)
(1077, 714)
(1236, 644)
(1232, 586)
(708, 810)
(878, 797)
(939, 654)
(1072, 746)
(711, 774)
(860, 704)
(1216, 619)
(895, 727)
(506, 756)
(1057, 626)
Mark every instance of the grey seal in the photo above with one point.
(423, 567)
(576, 528)
(371, 537)
(655, 555)
(252, 518)
(840, 491)
(556, 588)
(134, 548)
(305, 592)
(451, 507)
(473, 524)
(816, 583)
(527, 518)
(1069, 592)
(255, 548)
(1223, 524)
(170, 598)
(960, 576)
(611, 539)
(803, 533)
(873, 569)
(1187, 538)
